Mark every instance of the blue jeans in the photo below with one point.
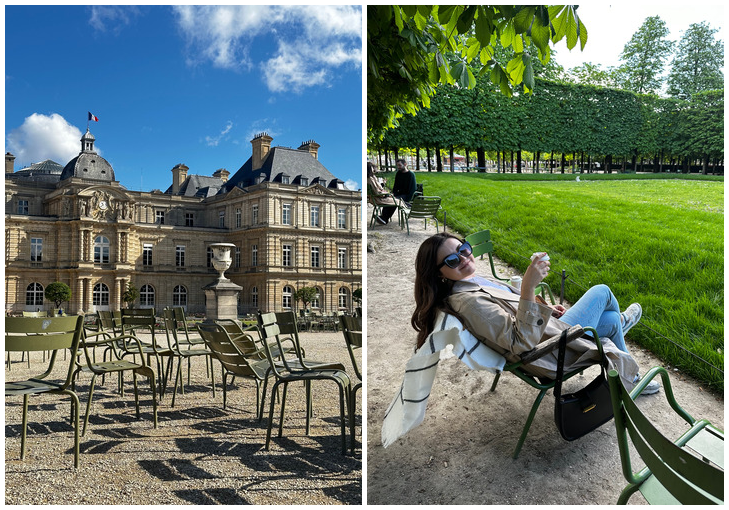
(598, 308)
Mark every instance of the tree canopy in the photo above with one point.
(413, 49)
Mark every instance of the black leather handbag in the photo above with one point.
(581, 412)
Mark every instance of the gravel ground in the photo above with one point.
(200, 454)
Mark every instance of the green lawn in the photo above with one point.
(659, 242)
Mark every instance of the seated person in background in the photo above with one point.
(513, 322)
(380, 197)
(405, 185)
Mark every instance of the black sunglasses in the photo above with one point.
(454, 259)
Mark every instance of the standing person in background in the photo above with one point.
(404, 187)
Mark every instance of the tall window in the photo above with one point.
(238, 217)
(315, 301)
(101, 250)
(221, 219)
(36, 249)
(159, 217)
(210, 257)
(179, 296)
(179, 256)
(314, 216)
(254, 255)
(287, 294)
(34, 295)
(315, 257)
(146, 295)
(254, 297)
(101, 295)
(342, 217)
(342, 258)
(286, 214)
(254, 214)
(189, 220)
(23, 207)
(146, 254)
(343, 298)
(237, 257)
(286, 250)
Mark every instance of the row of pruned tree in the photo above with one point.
(618, 128)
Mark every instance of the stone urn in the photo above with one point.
(222, 258)
(221, 295)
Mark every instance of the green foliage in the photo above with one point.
(58, 292)
(357, 295)
(644, 57)
(698, 62)
(413, 49)
(130, 295)
(658, 242)
(306, 295)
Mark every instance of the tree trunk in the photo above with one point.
(536, 163)
(450, 153)
(481, 154)
(417, 158)
(562, 163)
(518, 161)
(438, 162)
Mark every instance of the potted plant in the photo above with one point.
(306, 295)
(58, 292)
(130, 295)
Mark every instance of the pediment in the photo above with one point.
(318, 189)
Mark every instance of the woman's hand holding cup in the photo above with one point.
(535, 273)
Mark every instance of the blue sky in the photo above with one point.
(185, 84)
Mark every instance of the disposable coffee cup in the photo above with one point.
(543, 259)
(516, 282)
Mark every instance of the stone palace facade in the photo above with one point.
(293, 223)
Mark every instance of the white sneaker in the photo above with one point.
(380, 220)
(651, 388)
(631, 316)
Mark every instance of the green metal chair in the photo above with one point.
(175, 342)
(422, 207)
(44, 334)
(236, 362)
(687, 471)
(377, 208)
(286, 373)
(481, 244)
(119, 365)
(143, 318)
(352, 330)
(289, 331)
(541, 384)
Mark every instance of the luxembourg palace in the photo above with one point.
(293, 224)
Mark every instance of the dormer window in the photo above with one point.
(323, 182)
(304, 181)
(285, 179)
(261, 177)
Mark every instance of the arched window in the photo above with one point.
(146, 295)
(179, 296)
(34, 294)
(101, 295)
(316, 302)
(254, 297)
(287, 294)
(101, 250)
(343, 298)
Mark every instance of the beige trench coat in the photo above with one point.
(378, 195)
(510, 325)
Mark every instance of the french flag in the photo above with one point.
(93, 117)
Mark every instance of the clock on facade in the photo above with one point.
(103, 205)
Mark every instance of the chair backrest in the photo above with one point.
(35, 314)
(424, 207)
(480, 242)
(169, 321)
(352, 330)
(226, 350)
(246, 339)
(140, 317)
(689, 479)
(270, 332)
(45, 334)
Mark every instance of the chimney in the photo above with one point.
(261, 145)
(222, 174)
(311, 147)
(9, 163)
(179, 174)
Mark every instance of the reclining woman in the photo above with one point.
(512, 322)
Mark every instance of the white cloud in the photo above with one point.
(213, 141)
(352, 185)
(42, 137)
(313, 41)
(110, 17)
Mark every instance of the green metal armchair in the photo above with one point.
(688, 471)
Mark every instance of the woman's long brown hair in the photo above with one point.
(431, 290)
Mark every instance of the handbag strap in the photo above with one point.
(560, 364)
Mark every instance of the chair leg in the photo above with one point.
(75, 404)
(263, 399)
(149, 374)
(283, 407)
(136, 393)
(88, 404)
(25, 427)
(342, 419)
(496, 380)
(528, 424)
(270, 414)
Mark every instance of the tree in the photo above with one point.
(592, 74)
(306, 295)
(644, 56)
(130, 295)
(357, 296)
(58, 292)
(696, 67)
(413, 49)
